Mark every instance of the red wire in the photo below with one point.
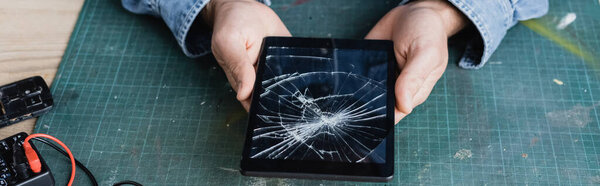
(26, 146)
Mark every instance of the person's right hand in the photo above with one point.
(420, 32)
(239, 27)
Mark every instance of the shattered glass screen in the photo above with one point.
(322, 104)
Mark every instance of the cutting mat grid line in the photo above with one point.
(131, 106)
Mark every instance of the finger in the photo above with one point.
(379, 31)
(253, 47)
(248, 72)
(233, 57)
(427, 87)
(383, 28)
(282, 31)
(253, 51)
(279, 28)
(420, 64)
(246, 104)
(245, 76)
(398, 115)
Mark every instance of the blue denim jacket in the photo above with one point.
(492, 18)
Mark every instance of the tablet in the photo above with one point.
(322, 109)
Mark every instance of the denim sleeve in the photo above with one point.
(180, 16)
(493, 18)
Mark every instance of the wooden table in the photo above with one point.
(33, 38)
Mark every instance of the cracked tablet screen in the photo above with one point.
(322, 104)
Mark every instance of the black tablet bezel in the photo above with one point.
(323, 169)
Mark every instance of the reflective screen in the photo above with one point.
(322, 104)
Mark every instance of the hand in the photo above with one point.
(420, 32)
(239, 27)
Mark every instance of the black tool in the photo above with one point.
(14, 168)
(24, 99)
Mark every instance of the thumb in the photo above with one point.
(242, 73)
(233, 57)
(244, 76)
(418, 69)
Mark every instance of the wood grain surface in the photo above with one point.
(33, 38)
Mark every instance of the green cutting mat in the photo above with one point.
(131, 106)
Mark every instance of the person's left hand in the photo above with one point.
(420, 32)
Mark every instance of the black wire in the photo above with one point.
(79, 164)
(127, 182)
